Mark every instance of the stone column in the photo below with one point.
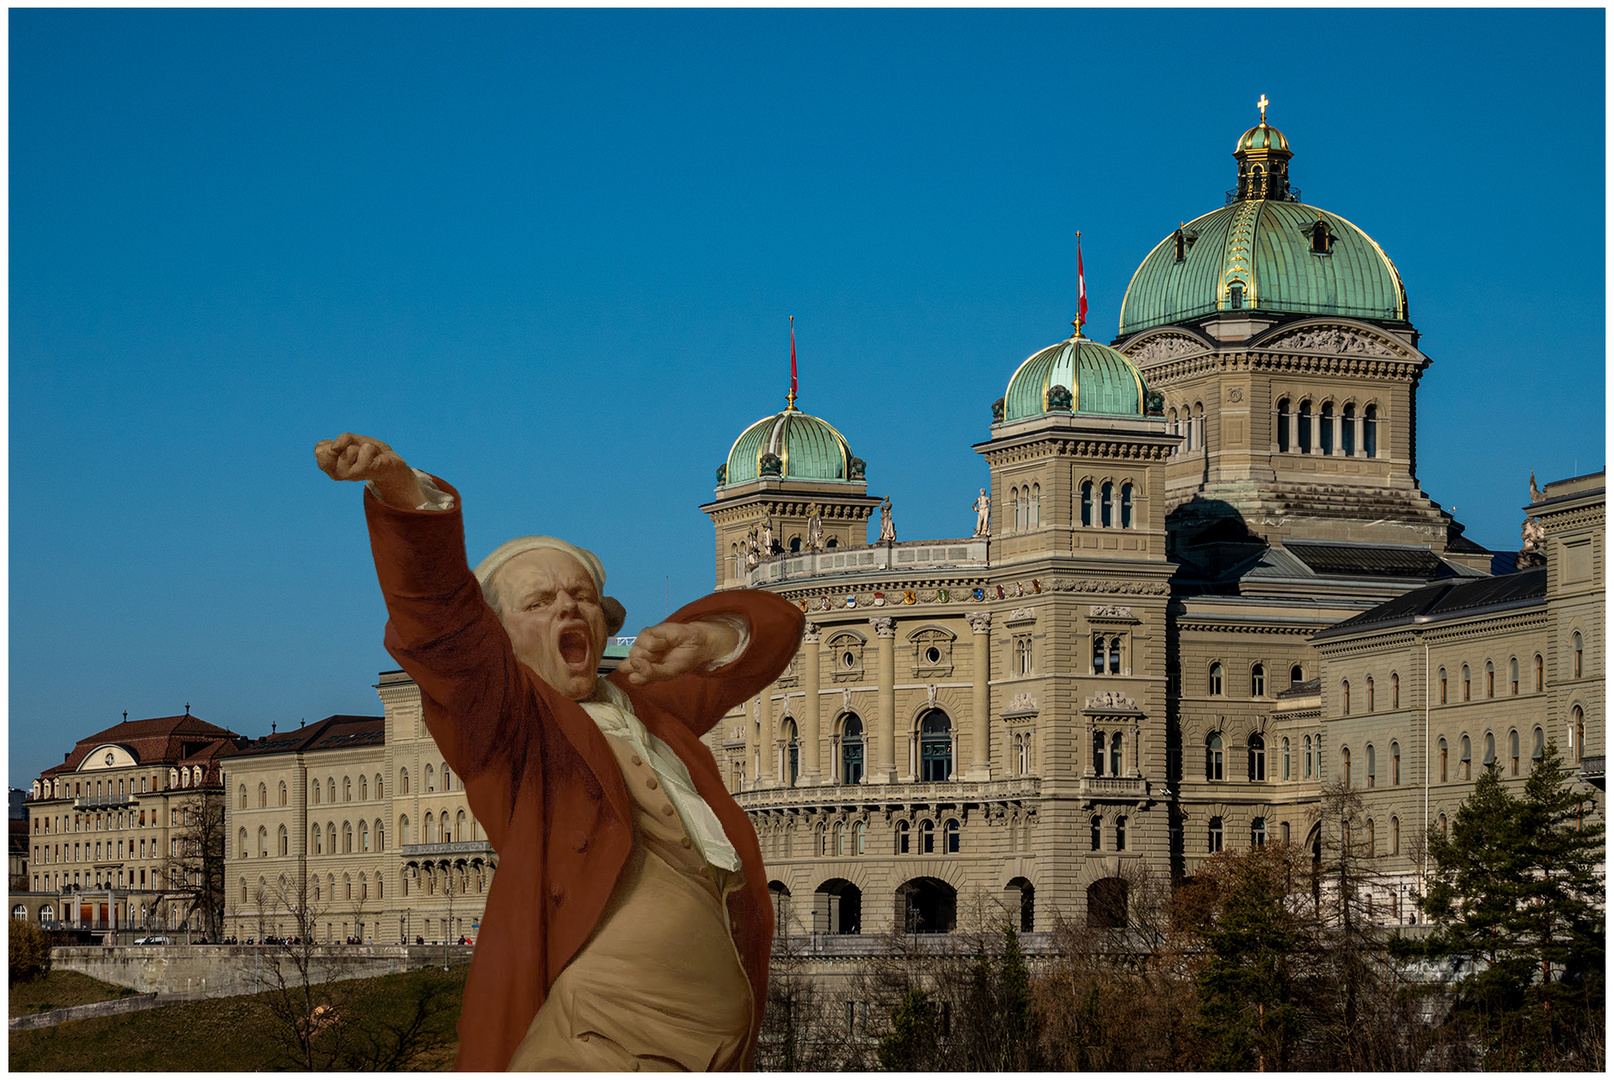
(1357, 449)
(1137, 761)
(979, 763)
(1315, 420)
(769, 756)
(886, 629)
(811, 762)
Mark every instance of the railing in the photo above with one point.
(103, 802)
(913, 555)
(455, 847)
(864, 794)
(1124, 786)
(1290, 194)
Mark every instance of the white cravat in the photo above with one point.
(613, 712)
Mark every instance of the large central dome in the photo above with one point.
(1264, 251)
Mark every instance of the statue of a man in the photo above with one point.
(983, 515)
(888, 530)
(767, 535)
(815, 528)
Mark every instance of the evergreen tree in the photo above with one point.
(1517, 896)
(915, 1035)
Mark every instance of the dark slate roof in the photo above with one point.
(332, 733)
(1448, 600)
(160, 740)
(1368, 560)
(1309, 688)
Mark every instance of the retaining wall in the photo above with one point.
(223, 970)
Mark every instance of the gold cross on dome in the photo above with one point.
(1262, 105)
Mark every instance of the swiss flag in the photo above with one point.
(1081, 285)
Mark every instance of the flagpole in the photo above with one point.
(791, 402)
(1081, 288)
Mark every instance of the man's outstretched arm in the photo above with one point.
(359, 457)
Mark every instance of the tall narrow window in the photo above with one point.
(1213, 757)
(1513, 752)
(1087, 502)
(1115, 754)
(1258, 681)
(1538, 673)
(1442, 680)
(1579, 720)
(1490, 750)
(1115, 656)
(1370, 693)
(1305, 427)
(1258, 832)
(1098, 655)
(1308, 757)
(1395, 763)
(1098, 753)
(1216, 680)
(1395, 691)
(1286, 757)
(1105, 507)
(1443, 759)
(1345, 764)
(1120, 834)
(1395, 836)
(1215, 839)
(1096, 837)
(1575, 643)
(1126, 506)
(1284, 420)
(1296, 675)
(1372, 766)
(1347, 431)
(1538, 746)
(1490, 679)
(1325, 438)
(1513, 675)
(1466, 686)
(1257, 764)
(1370, 431)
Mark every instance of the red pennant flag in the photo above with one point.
(792, 360)
(1081, 284)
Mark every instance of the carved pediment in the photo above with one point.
(1110, 699)
(1164, 347)
(1337, 341)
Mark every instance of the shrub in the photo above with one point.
(30, 951)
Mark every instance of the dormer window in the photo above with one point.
(1322, 237)
(1235, 295)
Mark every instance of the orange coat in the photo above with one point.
(540, 777)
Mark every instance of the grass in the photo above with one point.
(59, 989)
(234, 1034)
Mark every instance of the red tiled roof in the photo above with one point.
(161, 740)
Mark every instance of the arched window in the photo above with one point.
(1126, 506)
(1216, 679)
(1370, 701)
(263, 841)
(241, 843)
(1347, 431)
(283, 798)
(242, 805)
(1106, 504)
(1215, 838)
(1258, 833)
(1345, 764)
(1513, 751)
(1466, 686)
(1345, 696)
(1087, 502)
(1395, 836)
(1213, 756)
(403, 781)
(1258, 681)
(1578, 719)
(1096, 837)
(403, 829)
(1372, 849)
(282, 846)
(330, 836)
(1576, 645)
(1538, 673)
(378, 794)
(1305, 427)
(459, 827)
(330, 787)
(1115, 656)
(315, 836)
(1035, 519)
(950, 834)
(1258, 758)
(1308, 757)
(1395, 690)
(1370, 431)
(347, 838)
(1098, 753)
(364, 788)
(1120, 833)
(860, 835)
(364, 836)
(1513, 674)
(1326, 435)
(1490, 750)
(1372, 767)
(792, 752)
(902, 838)
(927, 837)
(1286, 757)
(1538, 746)
(1441, 678)
(1284, 420)
(1442, 746)
(1395, 763)
(431, 779)
(1115, 754)
(935, 747)
(263, 795)
(838, 838)
(347, 789)
(1297, 674)
(1490, 679)
(852, 750)
(1442, 824)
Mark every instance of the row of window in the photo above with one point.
(103, 878)
(1106, 504)
(326, 791)
(1301, 430)
(935, 749)
(103, 822)
(58, 788)
(1216, 681)
(48, 853)
(852, 839)
(1365, 846)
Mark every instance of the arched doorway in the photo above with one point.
(926, 905)
(852, 749)
(1019, 897)
(838, 907)
(1106, 904)
(779, 894)
(935, 746)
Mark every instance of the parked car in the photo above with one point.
(151, 941)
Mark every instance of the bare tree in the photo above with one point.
(194, 867)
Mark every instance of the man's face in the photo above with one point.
(553, 616)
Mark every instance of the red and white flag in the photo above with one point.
(1081, 284)
(792, 358)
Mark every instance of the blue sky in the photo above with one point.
(550, 255)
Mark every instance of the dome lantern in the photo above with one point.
(1263, 155)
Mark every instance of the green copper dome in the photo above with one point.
(1099, 381)
(806, 447)
(1265, 251)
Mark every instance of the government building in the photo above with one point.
(1204, 596)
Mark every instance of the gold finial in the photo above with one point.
(1262, 105)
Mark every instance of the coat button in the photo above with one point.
(636, 759)
(668, 810)
(651, 783)
(687, 842)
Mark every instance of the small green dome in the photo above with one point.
(1262, 137)
(806, 447)
(1099, 381)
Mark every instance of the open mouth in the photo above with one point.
(574, 649)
